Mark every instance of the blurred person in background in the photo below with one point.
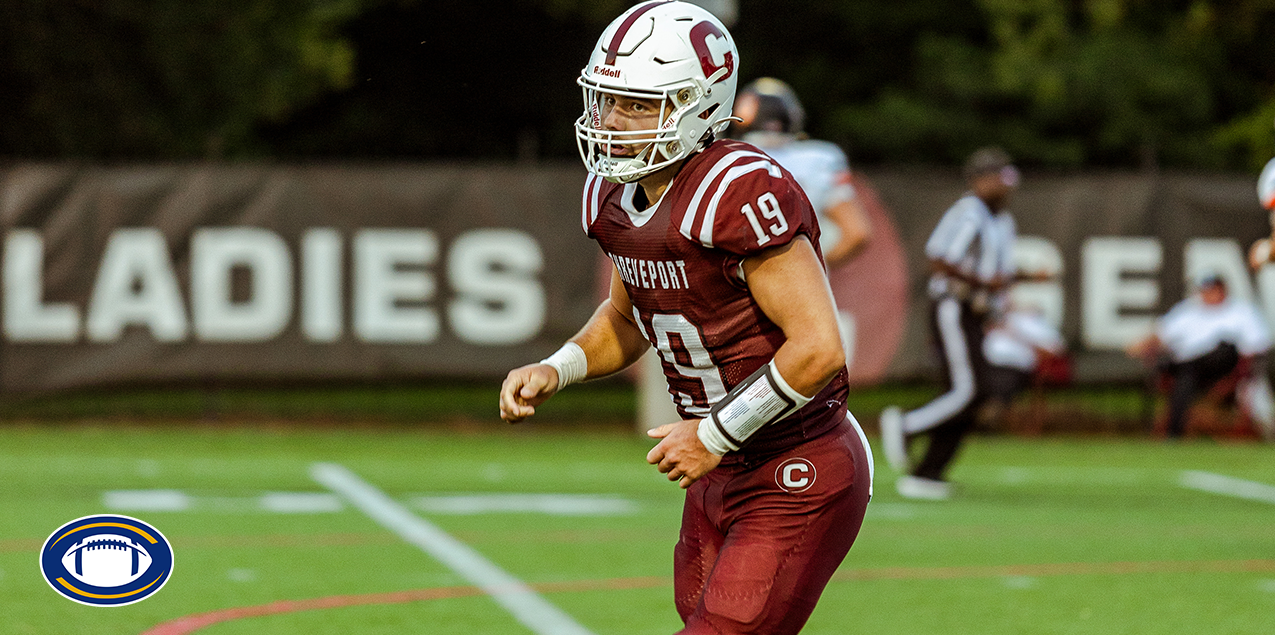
(970, 254)
(1260, 253)
(717, 265)
(1202, 340)
(1020, 346)
(773, 119)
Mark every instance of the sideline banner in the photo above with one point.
(195, 273)
(213, 272)
(1122, 247)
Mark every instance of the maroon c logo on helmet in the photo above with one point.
(699, 40)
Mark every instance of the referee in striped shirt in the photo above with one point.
(970, 259)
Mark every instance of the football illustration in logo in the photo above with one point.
(106, 560)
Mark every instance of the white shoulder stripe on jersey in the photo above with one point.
(585, 219)
(710, 214)
(692, 210)
(596, 203)
(592, 207)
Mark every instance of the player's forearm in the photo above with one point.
(950, 270)
(800, 369)
(855, 232)
(809, 363)
(791, 289)
(610, 342)
(845, 249)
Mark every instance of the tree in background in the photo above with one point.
(1074, 83)
(1060, 83)
(1244, 32)
(115, 79)
(455, 79)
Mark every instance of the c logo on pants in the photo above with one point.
(795, 475)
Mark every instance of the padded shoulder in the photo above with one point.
(735, 198)
(596, 190)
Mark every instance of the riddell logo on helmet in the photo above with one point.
(609, 71)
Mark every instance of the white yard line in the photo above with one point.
(553, 504)
(1227, 486)
(523, 603)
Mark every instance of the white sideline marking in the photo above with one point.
(523, 603)
(552, 504)
(146, 500)
(1227, 486)
(172, 500)
(241, 575)
(300, 502)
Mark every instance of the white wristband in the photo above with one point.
(764, 398)
(570, 362)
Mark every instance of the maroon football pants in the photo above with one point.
(761, 538)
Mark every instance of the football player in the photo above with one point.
(773, 119)
(716, 264)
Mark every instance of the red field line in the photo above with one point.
(1057, 569)
(269, 540)
(192, 623)
(289, 540)
(20, 544)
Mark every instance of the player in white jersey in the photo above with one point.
(773, 119)
(1260, 253)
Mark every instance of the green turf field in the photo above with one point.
(1049, 535)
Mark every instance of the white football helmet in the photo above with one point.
(1266, 186)
(670, 51)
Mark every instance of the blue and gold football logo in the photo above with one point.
(106, 560)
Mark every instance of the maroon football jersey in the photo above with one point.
(680, 263)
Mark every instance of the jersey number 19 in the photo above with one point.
(676, 339)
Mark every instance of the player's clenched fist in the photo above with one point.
(524, 389)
